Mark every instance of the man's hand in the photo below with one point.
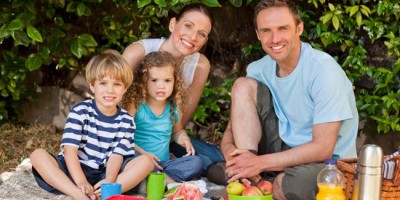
(243, 164)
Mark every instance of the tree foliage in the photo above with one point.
(363, 35)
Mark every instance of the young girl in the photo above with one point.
(189, 33)
(157, 97)
(97, 145)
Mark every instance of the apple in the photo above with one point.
(235, 188)
(265, 187)
(252, 191)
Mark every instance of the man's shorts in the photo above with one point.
(92, 175)
(299, 182)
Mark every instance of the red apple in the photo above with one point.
(265, 187)
(252, 191)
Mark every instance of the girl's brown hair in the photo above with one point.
(137, 93)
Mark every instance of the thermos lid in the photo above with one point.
(370, 156)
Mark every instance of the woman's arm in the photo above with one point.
(180, 136)
(134, 54)
(196, 88)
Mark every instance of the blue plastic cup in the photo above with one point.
(110, 189)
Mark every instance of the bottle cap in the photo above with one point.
(370, 156)
(330, 161)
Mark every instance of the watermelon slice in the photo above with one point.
(187, 191)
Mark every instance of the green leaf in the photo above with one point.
(353, 10)
(142, 3)
(236, 3)
(3, 31)
(59, 21)
(335, 22)
(161, 3)
(87, 40)
(33, 62)
(365, 10)
(359, 19)
(4, 93)
(380, 8)
(34, 34)
(58, 33)
(81, 9)
(211, 3)
(326, 18)
(76, 48)
(331, 7)
(20, 38)
(15, 24)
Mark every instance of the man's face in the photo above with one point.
(279, 34)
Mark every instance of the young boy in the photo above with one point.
(97, 145)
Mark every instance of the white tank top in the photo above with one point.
(188, 65)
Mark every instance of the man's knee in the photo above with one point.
(300, 182)
(277, 187)
(244, 86)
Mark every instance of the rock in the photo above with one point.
(51, 107)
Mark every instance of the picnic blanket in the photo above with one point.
(21, 185)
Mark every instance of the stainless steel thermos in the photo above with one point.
(368, 178)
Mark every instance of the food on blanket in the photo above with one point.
(252, 191)
(171, 191)
(235, 188)
(186, 191)
(265, 187)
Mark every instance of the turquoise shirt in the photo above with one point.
(317, 91)
(153, 133)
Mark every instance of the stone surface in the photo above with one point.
(51, 107)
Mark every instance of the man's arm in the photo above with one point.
(246, 164)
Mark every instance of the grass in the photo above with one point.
(17, 141)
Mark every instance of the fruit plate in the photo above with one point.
(236, 197)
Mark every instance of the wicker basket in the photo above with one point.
(390, 189)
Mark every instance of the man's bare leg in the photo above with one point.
(246, 126)
(277, 185)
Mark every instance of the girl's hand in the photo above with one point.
(155, 159)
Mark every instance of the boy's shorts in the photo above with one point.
(92, 175)
(299, 182)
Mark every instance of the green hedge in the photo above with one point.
(62, 35)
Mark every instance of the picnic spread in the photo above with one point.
(22, 185)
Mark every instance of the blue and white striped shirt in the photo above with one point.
(96, 135)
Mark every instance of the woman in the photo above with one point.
(189, 32)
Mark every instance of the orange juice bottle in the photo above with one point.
(330, 182)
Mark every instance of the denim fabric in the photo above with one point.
(183, 169)
(208, 153)
(93, 175)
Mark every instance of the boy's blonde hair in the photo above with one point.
(137, 93)
(109, 63)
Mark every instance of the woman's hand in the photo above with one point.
(185, 142)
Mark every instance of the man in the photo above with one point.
(295, 108)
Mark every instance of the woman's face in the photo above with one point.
(190, 33)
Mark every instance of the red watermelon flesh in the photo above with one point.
(187, 191)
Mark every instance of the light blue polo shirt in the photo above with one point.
(317, 91)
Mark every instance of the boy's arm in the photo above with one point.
(180, 136)
(113, 166)
(75, 169)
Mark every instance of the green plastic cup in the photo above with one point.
(156, 186)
